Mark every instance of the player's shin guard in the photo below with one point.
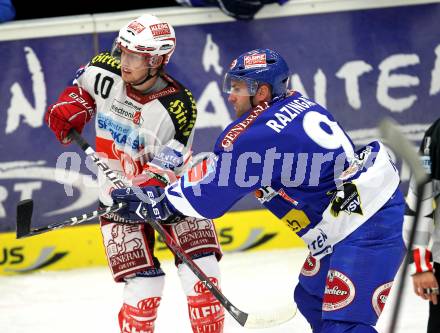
(142, 297)
(205, 311)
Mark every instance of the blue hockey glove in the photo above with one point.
(143, 203)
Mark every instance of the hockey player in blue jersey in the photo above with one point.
(302, 166)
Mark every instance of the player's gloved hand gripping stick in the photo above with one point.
(24, 214)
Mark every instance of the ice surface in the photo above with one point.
(87, 300)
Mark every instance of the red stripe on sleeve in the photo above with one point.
(416, 255)
(428, 260)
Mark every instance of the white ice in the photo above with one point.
(88, 300)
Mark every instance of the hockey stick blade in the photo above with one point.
(275, 318)
(402, 147)
(248, 320)
(24, 217)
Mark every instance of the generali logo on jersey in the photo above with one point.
(160, 29)
(136, 26)
(240, 127)
(255, 60)
(339, 291)
(380, 297)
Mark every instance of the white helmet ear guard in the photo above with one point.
(148, 35)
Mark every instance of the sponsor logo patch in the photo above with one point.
(137, 118)
(160, 29)
(235, 131)
(126, 250)
(136, 27)
(265, 194)
(286, 197)
(296, 220)
(200, 287)
(380, 297)
(107, 60)
(339, 291)
(149, 303)
(255, 60)
(356, 164)
(311, 266)
(346, 200)
(122, 110)
(194, 234)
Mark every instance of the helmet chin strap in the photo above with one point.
(251, 100)
(147, 77)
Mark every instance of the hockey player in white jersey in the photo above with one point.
(144, 128)
(425, 260)
(344, 204)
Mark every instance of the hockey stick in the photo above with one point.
(24, 218)
(403, 148)
(247, 320)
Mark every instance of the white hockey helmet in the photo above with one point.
(148, 36)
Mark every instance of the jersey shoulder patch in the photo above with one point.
(182, 109)
(106, 61)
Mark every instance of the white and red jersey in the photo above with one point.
(426, 247)
(133, 129)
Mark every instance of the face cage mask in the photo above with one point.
(134, 60)
(239, 85)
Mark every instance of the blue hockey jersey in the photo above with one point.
(302, 167)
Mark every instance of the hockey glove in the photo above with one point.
(74, 108)
(150, 177)
(143, 203)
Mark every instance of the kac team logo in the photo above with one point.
(201, 288)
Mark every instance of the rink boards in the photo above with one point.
(82, 246)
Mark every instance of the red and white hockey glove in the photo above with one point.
(149, 177)
(421, 261)
(154, 176)
(74, 108)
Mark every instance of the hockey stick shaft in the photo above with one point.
(24, 215)
(403, 148)
(174, 247)
(243, 318)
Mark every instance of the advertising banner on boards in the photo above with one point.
(362, 65)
